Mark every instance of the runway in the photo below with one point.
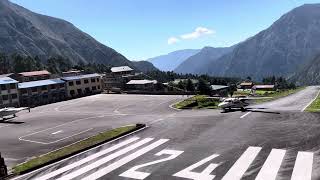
(272, 142)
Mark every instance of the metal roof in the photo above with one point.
(263, 87)
(39, 83)
(71, 78)
(121, 69)
(145, 81)
(35, 73)
(7, 80)
(218, 87)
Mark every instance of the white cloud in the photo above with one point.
(199, 32)
(173, 40)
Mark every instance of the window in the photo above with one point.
(98, 87)
(24, 91)
(94, 88)
(71, 83)
(61, 85)
(79, 91)
(14, 96)
(5, 97)
(13, 86)
(3, 87)
(78, 82)
(86, 81)
(98, 80)
(34, 89)
(72, 92)
(43, 88)
(93, 80)
(52, 86)
(87, 90)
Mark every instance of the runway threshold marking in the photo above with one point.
(87, 159)
(303, 166)
(246, 114)
(104, 160)
(242, 164)
(57, 132)
(271, 166)
(125, 160)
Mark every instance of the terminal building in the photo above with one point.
(118, 77)
(83, 85)
(42, 92)
(8, 92)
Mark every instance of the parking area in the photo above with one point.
(52, 126)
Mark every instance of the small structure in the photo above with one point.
(33, 76)
(122, 70)
(144, 85)
(219, 90)
(72, 72)
(35, 93)
(83, 85)
(8, 92)
(246, 85)
(118, 77)
(264, 87)
(194, 81)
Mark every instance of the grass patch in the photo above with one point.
(315, 105)
(197, 102)
(277, 94)
(70, 149)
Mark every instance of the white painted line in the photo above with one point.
(272, 165)
(57, 132)
(6, 125)
(303, 166)
(123, 161)
(63, 160)
(39, 142)
(310, 102)
(242, 164)
(246, 114)
(87, 159)
(104, 160)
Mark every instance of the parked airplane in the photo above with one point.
(4, 112)
(238, 102)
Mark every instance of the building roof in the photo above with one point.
(145, 81)
(35, 73)
(246, 84)
(121, 69)
(218, 87)
(5, 75)
(39, 83)
(7, 80)
(194, 81)
(263, 87)
(71, 78)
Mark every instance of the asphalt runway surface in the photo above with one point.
(274, 140)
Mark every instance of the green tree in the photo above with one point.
(190, 86)
(204, 87)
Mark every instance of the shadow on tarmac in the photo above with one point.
(250, 110)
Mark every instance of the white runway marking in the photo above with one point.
(242, 164)
(57, 132)
(303, 166)
(271, 167)
(104, 160)
(87, 159)
(310, 102)
(123, 161)
(246, 114)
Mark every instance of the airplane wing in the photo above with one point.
(15, 109)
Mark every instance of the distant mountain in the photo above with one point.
(27, 33)
(308, 74)
(279, 50)
(144, 66)
(170, 61)
(197, 64)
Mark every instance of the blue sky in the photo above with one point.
(140, 29)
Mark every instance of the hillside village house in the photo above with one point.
(33, 76)
(35, 93)
(118, 77)
(264, 87)
(219, 90)
(8, 92)
(144, 85)
(246, 85)
(83, 85)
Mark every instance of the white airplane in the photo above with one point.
(238, 102)
(4, 112)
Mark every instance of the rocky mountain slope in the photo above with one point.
(197, 63)
(279, 50)
(170, 61)
(29, 33)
